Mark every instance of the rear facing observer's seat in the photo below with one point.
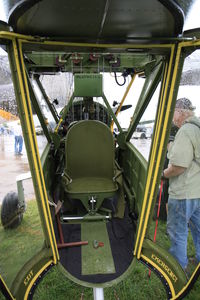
(89, 168)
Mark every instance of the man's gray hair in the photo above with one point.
(184, 103)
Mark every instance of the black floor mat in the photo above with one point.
(121, 237)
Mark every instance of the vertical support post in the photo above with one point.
(20, 188)
(98, 293)
(25, 113)
(20, 192)
(111, 113)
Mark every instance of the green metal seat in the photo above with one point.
(89, 168)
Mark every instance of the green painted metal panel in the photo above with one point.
(135, 168)
(33, 268)
(46, 61)
(96, 260)
(88, 85)
(166, 262)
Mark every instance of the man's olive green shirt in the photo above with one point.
(185, 152)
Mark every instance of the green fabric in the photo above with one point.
(96, 260)
(185, 152)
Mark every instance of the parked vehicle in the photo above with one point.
(140, 132)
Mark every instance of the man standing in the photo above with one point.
(183, 172)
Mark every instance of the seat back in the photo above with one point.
(89, 150)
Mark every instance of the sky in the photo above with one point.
(193, 20)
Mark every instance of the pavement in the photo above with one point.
(12, 165)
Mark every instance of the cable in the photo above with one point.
(120, 84)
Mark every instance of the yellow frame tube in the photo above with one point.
(35, 151)
(156, 160)
(150, 171)
(153, 164)
(123, 99)
(7, 289)
(35, 278)
(161, 272)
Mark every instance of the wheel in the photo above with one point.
(11, 213)
(143, 136)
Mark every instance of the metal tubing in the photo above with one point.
(98, 293)
(85, 218)
(60, 232)
(123, 99)
(73, 244)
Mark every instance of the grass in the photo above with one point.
(136, 287)
(16, 246)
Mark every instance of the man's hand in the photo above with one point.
(172, 171)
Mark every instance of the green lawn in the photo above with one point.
(16, 246)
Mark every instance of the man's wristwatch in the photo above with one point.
(162, 175)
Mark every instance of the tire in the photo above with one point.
(11, 214)
(143, 136)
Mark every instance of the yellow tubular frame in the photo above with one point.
(147, 197)
(186, 286)
(159, 155)
(7, 289)
(156, 160)
(26, 104)
(123, 99)
(155, 156)
(59, 123)
(34, 148)
(161, 272)
(35, 278)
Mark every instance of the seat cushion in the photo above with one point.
(90, 185)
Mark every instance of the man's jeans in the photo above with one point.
(18, 144)
(181, 215)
